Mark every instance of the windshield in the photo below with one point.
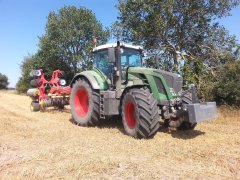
(131, 58)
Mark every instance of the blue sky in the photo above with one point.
(22, 21)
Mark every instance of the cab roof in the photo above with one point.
(122, 44)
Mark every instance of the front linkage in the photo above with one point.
(187, 111)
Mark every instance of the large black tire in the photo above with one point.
(84, 102)
(35, 106)
(185, 125)
(140, 113)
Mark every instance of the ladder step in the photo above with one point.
(101, 106)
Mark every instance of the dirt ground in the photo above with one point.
(49, 146)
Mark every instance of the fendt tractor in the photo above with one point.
(145, 98)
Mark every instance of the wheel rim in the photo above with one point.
(130, 114)
(81, 102)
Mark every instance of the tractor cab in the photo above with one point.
(115, 59)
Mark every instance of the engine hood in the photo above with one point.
(173, 80)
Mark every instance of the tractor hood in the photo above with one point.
(173, 80)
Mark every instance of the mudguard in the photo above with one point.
(89, 77)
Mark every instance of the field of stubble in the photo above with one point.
(49, 146)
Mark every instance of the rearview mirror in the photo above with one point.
(111, 55)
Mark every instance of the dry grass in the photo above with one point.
(47, 145)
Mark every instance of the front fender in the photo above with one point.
(89, 77)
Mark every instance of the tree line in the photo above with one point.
(3, 81)
(182, 36)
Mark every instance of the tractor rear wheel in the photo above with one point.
(140, 113)
(84, 102)
(35, 106)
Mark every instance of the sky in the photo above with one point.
(23, 21)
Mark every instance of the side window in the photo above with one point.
(123, 60)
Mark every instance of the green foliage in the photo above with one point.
(29, 63)
(228, 84)
(171, 28)
(68, 39)
(66, 44)
(3, 81)
(185, 36)
(221, 84)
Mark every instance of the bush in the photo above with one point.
(3, 81)
(29, 63)
(227, 89)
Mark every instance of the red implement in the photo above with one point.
(48, 93)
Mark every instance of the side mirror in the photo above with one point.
(111, 55)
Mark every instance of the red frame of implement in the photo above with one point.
(56, 89)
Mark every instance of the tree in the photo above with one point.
(201, 68)
(170, 28)
(227, 88)
(3, 81)
(68, 38)
(184, 35)
(66, 44)
(29, 63)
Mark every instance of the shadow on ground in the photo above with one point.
(116, 122)
(109, 123)
(56, 110)
(189, 134)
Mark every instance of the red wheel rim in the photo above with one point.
(130, 114)
(81, 102)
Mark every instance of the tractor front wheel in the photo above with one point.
(84, 102)
(140, 113)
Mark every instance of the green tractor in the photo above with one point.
(145, 98)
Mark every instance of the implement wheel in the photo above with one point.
(84, 104)
(140, 113)
(35, 106)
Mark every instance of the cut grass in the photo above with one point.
(47, 145)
